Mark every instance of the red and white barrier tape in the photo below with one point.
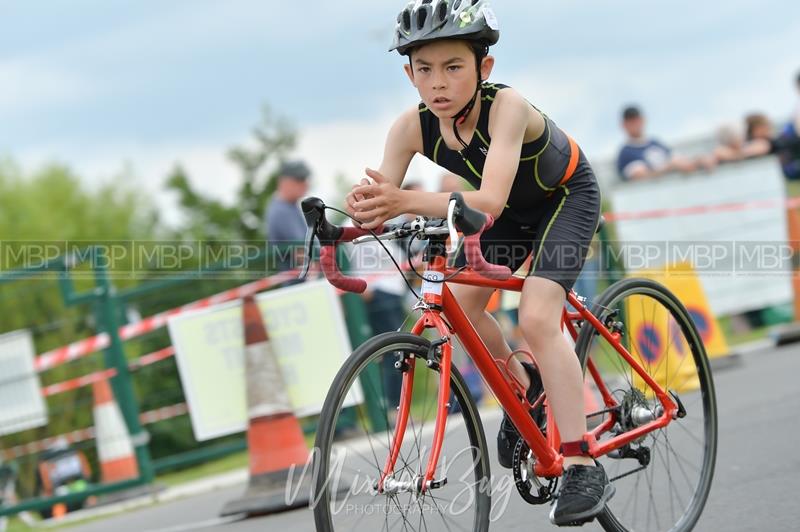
(79, 349)
(162, 414)
(152, 358)
(86, 380)
(76, 350)
(80, 382)
(791, 203)
(82, 435)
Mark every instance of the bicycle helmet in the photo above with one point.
(423, 21)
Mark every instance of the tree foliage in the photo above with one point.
(210, 219)
(40, 215)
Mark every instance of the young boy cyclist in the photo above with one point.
(536, 183)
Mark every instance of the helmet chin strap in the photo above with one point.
(461, 116)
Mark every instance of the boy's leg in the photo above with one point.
(473, 300)
(540, 311)
(584, 487)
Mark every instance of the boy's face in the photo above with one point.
(444, 74)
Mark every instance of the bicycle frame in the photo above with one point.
(443, 313)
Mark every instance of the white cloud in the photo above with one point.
(347, 148)
(30, 84)
(148, 166)
(331, 149)
(688, 93)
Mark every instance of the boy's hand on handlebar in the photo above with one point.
(353, 197)
(380, 201)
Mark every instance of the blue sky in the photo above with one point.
(104, 86)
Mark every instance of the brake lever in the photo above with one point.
(309, 248)
(313, 212)
(451, 224)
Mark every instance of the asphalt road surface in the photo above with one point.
(755, 486)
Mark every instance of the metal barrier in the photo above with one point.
(127, 349)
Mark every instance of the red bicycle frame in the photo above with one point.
(443, 313)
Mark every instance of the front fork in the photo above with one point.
(439, 359)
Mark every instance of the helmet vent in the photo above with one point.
(441, 12)
(422, 15)
(456, 5)
(406, 21)
(475, 2)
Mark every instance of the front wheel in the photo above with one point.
(663, 479)
(350, 456)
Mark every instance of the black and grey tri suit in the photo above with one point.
(547, 215)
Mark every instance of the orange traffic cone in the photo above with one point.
(274, 438)
(793, 226)
(790, 333)
(114, 447)
(59, 510)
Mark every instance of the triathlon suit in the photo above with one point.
(554, 205)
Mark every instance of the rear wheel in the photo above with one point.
(662, 480)
(349, 459)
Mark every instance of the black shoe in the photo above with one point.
(508, 436)
(583, 494)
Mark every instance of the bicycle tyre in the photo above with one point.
(629, 297)
(324, 492)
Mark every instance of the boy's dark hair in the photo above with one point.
(479, 49)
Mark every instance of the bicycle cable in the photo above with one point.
(375, 236)
(413, 269)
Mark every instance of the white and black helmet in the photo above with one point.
(423, 21)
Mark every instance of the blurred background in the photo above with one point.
(162, 128)
(133, 90)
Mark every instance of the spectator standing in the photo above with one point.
(285, 224)
(642, 157)
(797, 109)
(761, 140)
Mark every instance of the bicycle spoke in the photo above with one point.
(680, 464)
(688, 433)
(422, 522)
(367, 458)
(439, 510)
(384, 404)
(649, 474)
(671, 489)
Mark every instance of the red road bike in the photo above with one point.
(400, 444)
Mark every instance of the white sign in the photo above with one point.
(741, 254)
(21, 404)
(307, 334)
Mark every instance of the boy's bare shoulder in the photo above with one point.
(408, 129)
(508, 96)
(410, 117)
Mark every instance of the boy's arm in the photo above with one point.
(402, 142)
(383, 201)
